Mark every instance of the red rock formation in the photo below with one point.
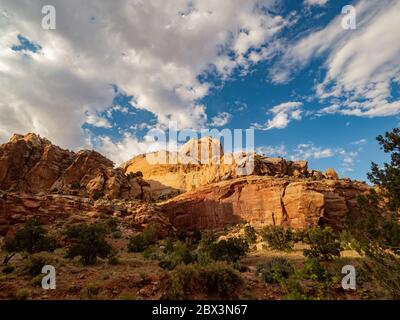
(262, 200)
(32, 164)
(16, 208)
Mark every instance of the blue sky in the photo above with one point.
(311, 89)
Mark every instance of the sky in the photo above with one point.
(113, 70)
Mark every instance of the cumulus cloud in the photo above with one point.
(282, 115)
(363, 83)
(221, 119)
(153, 50)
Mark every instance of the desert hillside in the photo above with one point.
(157, 222)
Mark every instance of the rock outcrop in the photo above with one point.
(16, 208)
(33, 164)
(263, 200)
(201, 162)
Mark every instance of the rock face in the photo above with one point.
(32, 164)
(263, 200)
(39, 178)
(16, 208)
(201, 162)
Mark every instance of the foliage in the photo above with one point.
(22, 294)
(314, 270)
(88, 243)
(275, 269)
(376, 229)
(324, 244)
(278, 238)
(31, 238)
(180, 253)
(144, 239)
(388, 177)
(37, 261)
(230, 250)
(250, 234)
(111, 224)
(217, 278)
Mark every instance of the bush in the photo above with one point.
(324, 244)
(250, 234)
(22, 294)
(150, 253)
(31, 238)
(89, 243)
(178, 254)
(220, 279)
(216, 278)
(37, 261)
(112, 224)
(275, 269)
(315, 271)
(278, 238)
(141, 241)
(230, 250)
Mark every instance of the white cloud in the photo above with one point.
(153, 50)
(221, 119)
(282, 115)
(361, 64)
(271, 151)
(360, 142)
(97, 121)
(306, 151)
(315, 2)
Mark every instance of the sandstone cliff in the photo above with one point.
(263, 200)
(201, 162)
(33, 164)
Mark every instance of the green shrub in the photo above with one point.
(250, 234)
(220, 279)
(31, 238)
(111, 224)
(150, 253)
(315, 271)
(22, 294)
(216, 278)
(144, 239)
(294, 290)
(230, 250)
(324, 244)
(137, 243)
(278, 238)
(178, 254)
(88, 243)
(275, 269)
(37, 261)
